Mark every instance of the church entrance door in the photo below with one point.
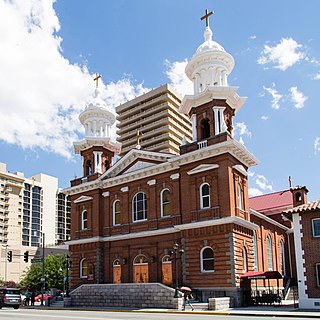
(140, 269)
(166, 271)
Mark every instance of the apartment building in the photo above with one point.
(29, 208)
(154, 122)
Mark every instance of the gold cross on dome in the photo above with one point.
(96, 79)
(206, 16)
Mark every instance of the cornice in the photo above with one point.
(174, 229)
(173, 163)
(210, 93)
(266, 218)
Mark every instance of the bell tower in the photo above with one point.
(214, 103)
(97, 149)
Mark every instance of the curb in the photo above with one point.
(225, 313)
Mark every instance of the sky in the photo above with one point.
(51, 50)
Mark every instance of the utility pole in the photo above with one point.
(5, 262)
(43, 279)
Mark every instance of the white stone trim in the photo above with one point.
(82, 199)
(266, 218)
(176, 228)
(124, 189)
(106, 194)
(296, 219)
(170, 163)
(175, 176)
(203, 167)
(240, 168)
(152, 182)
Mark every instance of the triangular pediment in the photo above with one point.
(82, 199)
(203, 167)
(136, 160)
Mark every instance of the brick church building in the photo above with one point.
(174, 219)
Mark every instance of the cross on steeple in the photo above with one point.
(96, 79)
(206, 16)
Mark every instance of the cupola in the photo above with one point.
(97, 149)
(214, 103)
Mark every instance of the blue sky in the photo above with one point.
(50, 51)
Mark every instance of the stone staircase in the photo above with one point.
(57, 303)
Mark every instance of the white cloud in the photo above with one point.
(42, 93)
(284, 55)
(241, 130)
(258, 184)
(297, 97)
(276, 96)
(253, 37)
(176, 74)
(316, 76)
(317, 145)
(263, 183)
(253, 192)
(264, 118)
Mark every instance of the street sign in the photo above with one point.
(43, 279)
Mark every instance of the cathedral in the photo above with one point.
(176, 219)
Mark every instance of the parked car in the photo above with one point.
(10, 297)
(45, 297)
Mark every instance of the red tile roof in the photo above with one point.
(277, 201)
(311, 206)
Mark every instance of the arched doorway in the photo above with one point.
(116, 271)
(140, 269)
(166, 270)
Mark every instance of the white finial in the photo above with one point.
(207, 34)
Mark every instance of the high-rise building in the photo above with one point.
(29, 208)
(153, 121)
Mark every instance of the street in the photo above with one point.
(38, 314)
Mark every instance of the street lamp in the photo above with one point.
(175, 257)
(67, 275)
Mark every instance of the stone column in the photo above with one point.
(194, 127)
(216, 120)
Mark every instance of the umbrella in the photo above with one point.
(185, 289)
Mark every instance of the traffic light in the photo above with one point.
(26, 256)
(9, 256)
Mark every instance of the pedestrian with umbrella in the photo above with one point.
(187, 295)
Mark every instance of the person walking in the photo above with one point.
(186, 300)
(28, 296)
(33, 297)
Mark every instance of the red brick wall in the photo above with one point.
(311, 246)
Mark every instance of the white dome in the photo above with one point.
(97, 118)
(209, 44)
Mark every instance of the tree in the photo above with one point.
(54, 271)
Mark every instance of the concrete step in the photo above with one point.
(199, 306)
(57, 304)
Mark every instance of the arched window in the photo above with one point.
(88, 168)
(84, 268)
(269, 251)
(240, 196)
(205, 129)
(244, 260)
(84, 220)
(165, 203)
(116, 212)
(207, 260)
(282, 259)
(204, 196)
(139, 207)
(255, 252)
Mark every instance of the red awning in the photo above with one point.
(262, 275)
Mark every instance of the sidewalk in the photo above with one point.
(287, 309)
